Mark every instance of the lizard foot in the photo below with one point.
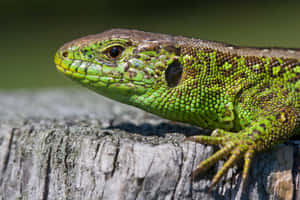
(236, 146)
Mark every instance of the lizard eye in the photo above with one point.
(115, 52)
(173, 73)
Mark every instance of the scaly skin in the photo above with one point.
(249, 96)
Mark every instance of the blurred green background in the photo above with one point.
(32, 30)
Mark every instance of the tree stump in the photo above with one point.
(74, 144)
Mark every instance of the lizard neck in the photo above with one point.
(177, 105)
(200, 98)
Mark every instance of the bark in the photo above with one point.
(72, 144)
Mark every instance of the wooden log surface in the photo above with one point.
(73, 144)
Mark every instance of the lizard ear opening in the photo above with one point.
(173, 73)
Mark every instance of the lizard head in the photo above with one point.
(175, 77)
(126, 65)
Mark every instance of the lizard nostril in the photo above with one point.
(65, 54)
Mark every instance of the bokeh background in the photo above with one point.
(32, 30)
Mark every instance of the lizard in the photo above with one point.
(248, 96)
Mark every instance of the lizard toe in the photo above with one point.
(231, 146)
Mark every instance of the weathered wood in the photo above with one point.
(72, 144)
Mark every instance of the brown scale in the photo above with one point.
(255, 132)
(208, 50)
(189, 72)
(263, 87)
(193, 52)
(190, 62)
(294, 79)
(188, 50)
(274, 63)
(250, 61)
(290, 63)
(285, 93)
(222, 58)
(240, 75)
(287, 65)
(172, 48)
(144, 70)
(266, 98)
(226, 57)
(283, 115)
(214, 82)
(160, 68)
(208, 67)
(195, 84)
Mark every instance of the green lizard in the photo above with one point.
(249, 96)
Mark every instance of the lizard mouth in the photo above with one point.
(85, 72)
(102, 79)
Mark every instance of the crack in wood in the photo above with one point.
(7, 156)
(47, 177)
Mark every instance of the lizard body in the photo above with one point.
(248, 96)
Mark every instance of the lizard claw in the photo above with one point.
(231, 146)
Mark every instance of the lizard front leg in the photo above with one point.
(268, 129)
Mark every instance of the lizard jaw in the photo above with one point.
(93, 76)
